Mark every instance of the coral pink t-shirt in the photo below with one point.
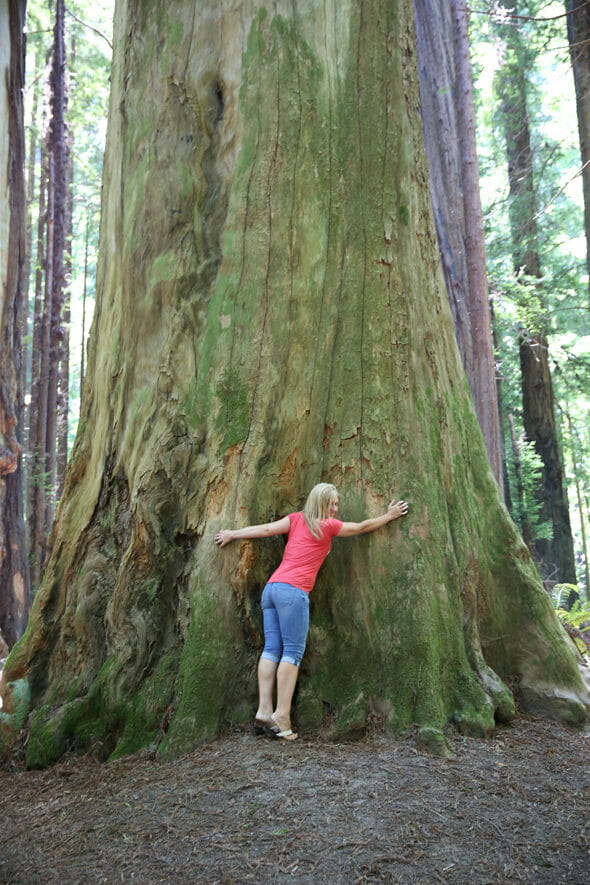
(304, 554)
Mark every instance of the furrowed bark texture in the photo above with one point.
(15, 598)
(270, 314)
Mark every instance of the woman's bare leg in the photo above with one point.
(286, 681)
(267, 671)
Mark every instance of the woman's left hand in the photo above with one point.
(397, 508)
(225, 536)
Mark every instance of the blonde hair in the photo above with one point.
(317, 506)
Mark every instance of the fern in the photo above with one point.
(577, 620)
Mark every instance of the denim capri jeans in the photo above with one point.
(285, 612)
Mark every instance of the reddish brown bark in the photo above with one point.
(446, 94)
(578, 28)
(15, 596)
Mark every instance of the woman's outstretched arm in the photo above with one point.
(280, 527)
(394, 511)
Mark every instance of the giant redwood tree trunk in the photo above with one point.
(269, 314)
(15, 598)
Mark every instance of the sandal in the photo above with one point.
(262, 727)
(288, 735)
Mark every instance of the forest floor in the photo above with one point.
(244, 809)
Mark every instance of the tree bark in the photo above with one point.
(578, 31)
(58, 183)
(446, 95)
(270, 313)
(35, 468)
(15, 596)
(63, 393)
(84, 299)
(574, 445)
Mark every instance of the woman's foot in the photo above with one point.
(283, 726)
(263, 723)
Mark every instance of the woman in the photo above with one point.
(285, 599)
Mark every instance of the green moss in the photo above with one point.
(175, 32)
(102, 720)
(206, 674)
(116, 345)
(163, 269)
(78, 725)
(145, 714)
(189, 405)
(45, 744)
(233, 416)
(140, 404)
(434, 742)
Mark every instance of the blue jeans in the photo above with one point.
(285, 612)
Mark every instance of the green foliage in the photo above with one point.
(527, 511)
(88, 64)
(21, 699)
(534, 47)
(578, 616)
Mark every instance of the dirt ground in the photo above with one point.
(244, 809)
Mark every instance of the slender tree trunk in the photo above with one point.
(64, 335)
(501, 422)
(36, 468)
(34, 145)
(40, 459)
(573, 449)
(578, 30)
(270, 313)
(449, 131)
(84, 297)
(15, 598)
(555, 555)
(58, 145)
(46, 359)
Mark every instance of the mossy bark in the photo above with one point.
(271, 313)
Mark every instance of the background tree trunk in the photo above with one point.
(446, 96)
(15, 598)
(556, 554)
(270, 314)
(35, 470)
(58, 183)
(49, 335)
(63, 392)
